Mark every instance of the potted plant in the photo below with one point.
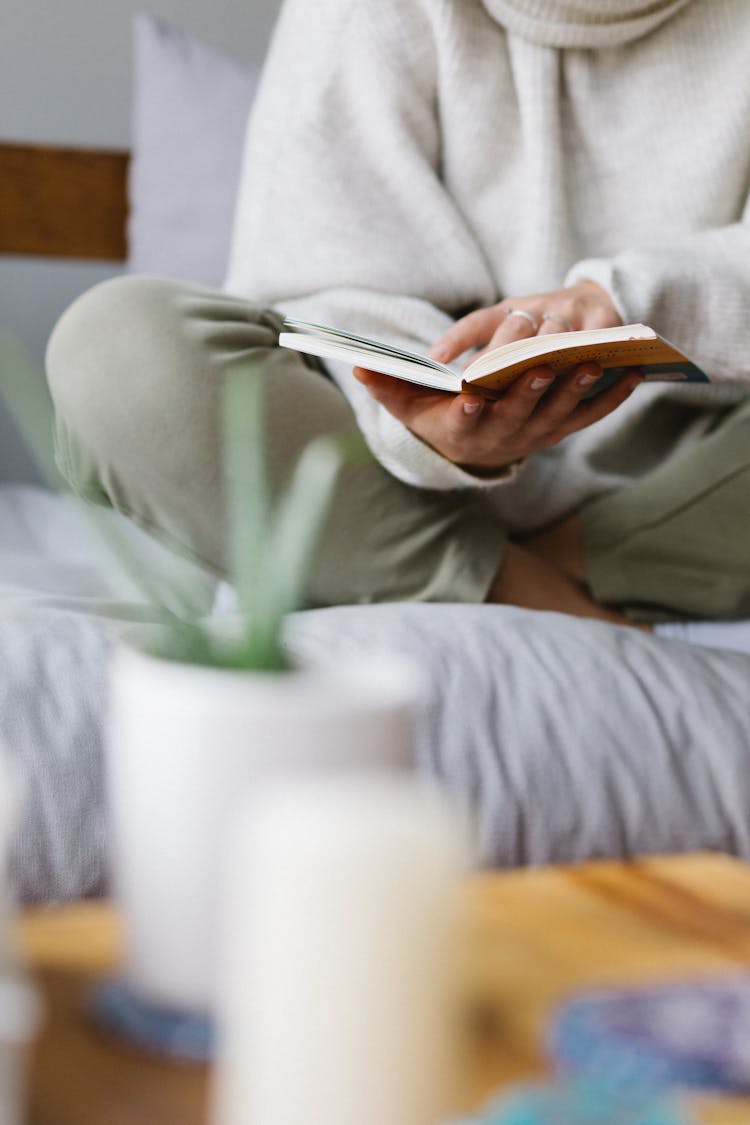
(202, 714)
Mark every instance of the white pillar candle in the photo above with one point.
(341, 974)
(19, 1005)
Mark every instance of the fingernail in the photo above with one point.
(540, 381)
(439, 352)
(588, 379)
(472, 407)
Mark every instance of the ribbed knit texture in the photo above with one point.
(406, 161)
(582, 23)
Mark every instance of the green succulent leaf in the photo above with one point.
(272, 552)
(302, 515)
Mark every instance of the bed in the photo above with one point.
(568, 739)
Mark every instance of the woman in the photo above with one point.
(407, 162)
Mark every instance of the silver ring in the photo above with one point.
(562, 319)
(526, 316)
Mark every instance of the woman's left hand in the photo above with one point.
(584, 305)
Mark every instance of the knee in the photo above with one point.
(132, 347)
(93, 346)
(109, 368)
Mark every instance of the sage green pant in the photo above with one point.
(676, 544)
(136, 370)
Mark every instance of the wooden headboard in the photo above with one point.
(63, 202)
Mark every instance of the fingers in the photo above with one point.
(599, 407)
(534, 412)
(521, 400)
(546, 412)
(516, 325)
(582, 305)
(564, 398)
(555, 322)
(464, 416)
(471, 331)
(563, 413)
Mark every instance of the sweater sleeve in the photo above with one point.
(342, 216)
(694, 290)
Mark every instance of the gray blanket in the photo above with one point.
(568, 739)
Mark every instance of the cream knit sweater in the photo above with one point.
(409, 159)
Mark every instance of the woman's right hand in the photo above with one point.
(483, 435)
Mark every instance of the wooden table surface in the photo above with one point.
(540, 934)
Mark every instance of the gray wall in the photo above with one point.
(65, 79)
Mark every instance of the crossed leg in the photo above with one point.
(547, 572)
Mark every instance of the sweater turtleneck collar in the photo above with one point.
(582, 23)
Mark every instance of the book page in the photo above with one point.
(376, 346)
(361, 355)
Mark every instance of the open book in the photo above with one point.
(615, 349)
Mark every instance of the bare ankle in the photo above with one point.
(530, 581)
(562, 546)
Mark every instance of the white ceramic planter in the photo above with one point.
(185, 744)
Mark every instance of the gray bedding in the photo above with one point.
(568, 739)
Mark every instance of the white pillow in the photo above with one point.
(190, 109)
